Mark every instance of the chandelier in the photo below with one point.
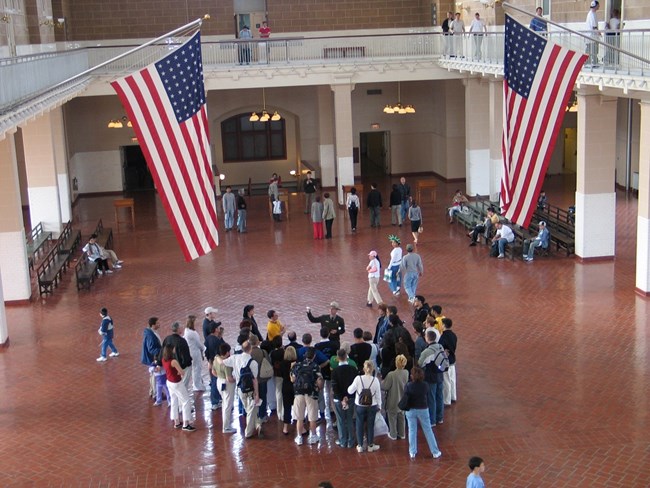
(265, 116)
(119, 123)
(398, 108)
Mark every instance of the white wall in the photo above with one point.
(97, 171)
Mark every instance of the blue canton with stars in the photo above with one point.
(182, 75)
(523, 51)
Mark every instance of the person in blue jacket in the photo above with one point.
(106, 331)
(151, 347)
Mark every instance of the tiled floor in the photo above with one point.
(553, 360)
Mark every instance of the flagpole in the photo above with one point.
(183, 28)
(587, 37)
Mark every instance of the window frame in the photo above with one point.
(240, 134)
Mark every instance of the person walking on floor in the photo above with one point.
(412, 268)
(317, 218)
(373, 202)
(106, 331)
(415, 216)
(374, 272)
(352, 203)
(329, 214)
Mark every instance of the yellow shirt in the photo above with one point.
(439, 327)
(274, 329)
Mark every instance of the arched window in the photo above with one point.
(244, 140)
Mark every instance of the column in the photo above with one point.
(61, 163)
(496, 135)
(477, 133)
(326, 136)
(16, 284)
(643, 212)
(42, 185)
(596, 166)
(343, 132)
(4, 331)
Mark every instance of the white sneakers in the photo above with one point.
(101, 359)
(114, 354)
(299, 440)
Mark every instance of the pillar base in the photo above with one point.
(595, 259)
(595, 232)
(4, 345)
(645, 294)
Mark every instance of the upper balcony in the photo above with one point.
(414, 55)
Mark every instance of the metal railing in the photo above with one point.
(25, 75)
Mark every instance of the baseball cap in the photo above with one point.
(373, 254)
(210, 310)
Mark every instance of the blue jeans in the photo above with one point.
(345, 424)
(531, 245)
(411, 284)
(229, 219)
(405, 209)
(261, 411)
(367, 415)
(106, 343)
(395, 278)
(215, 396)
(502, 246)
(420, 415)
(241, 220)
(436, 405)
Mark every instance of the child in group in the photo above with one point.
(277, 209)
(161, 384)
(476, 466)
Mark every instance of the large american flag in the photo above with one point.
(166, 104)
(538, 81)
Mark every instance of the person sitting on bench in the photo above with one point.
(101, 256)
(484, 228)
(503, 236)
(542, 240)
(456, 204)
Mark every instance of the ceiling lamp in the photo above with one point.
(264, 117)
(119, 123)
(398, 108)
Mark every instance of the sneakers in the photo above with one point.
(391, 437)
(119, 262)
(216, 407)
(298, 440)
(178, 426)
(369, 305)
(437, 455)
(472, 244)
(117, 266)
(114, 354)
(100, 272)
(501, 256)
(229, 430)
(440, 422)
(189, 428)
(373, 448)
(359, 448)
(157, 404)
(101, 359)
(313, 439)
(108, 271)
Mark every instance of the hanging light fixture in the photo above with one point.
(398, 108)
(265, 116)
(119, 123)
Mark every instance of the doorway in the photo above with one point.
(374, 148)
(135, 172)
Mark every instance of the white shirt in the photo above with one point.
(194, 342)
(614, 23)
(506, 233)
(477, 26)
(457, 26)
(395, 257)
(591, 22)
(366, 381)
(352, 198)
(238, 361)
(374, 264)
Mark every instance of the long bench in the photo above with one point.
(35, 243)
(561, 225)
(85, 272)
(69, 239)
(104, 235)
(50, 271)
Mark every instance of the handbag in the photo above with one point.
(403, 404)
(420, 230)
(266, 370)
(381, 427)
(387, 274)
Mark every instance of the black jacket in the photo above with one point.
(342, 377)
(395, 197)
(374, 198)
(182, 349)
(448, 341)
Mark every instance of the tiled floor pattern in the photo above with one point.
(553, 360)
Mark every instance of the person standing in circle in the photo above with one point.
(106, 331)
(329, 214)
(180, 397)
(416, 403)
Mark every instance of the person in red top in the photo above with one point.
(180, 398)
(265, 30)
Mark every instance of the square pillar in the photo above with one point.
(326, 136)
(477, 134)
(643, 212)
(496, 137)
(343, 133)
(595, 180)
(61, 163)
(42, 185)
(16, 283)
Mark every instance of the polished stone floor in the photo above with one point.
(552, 360)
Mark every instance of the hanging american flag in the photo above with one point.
(538, 81)
(166, 104)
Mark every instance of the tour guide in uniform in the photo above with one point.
(332, 321)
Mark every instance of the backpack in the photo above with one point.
(246, 378)
(438, 362)
(353, 205)
(305, 382)
(266, 370)
(365, 397)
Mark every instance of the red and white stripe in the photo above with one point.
(530, 130)
(179, 159)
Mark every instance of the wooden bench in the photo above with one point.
(104, 235)
(35, 243)
(51, 269)
(69, 239)
(561, 225)
(85, 272)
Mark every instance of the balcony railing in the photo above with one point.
(26, 76)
